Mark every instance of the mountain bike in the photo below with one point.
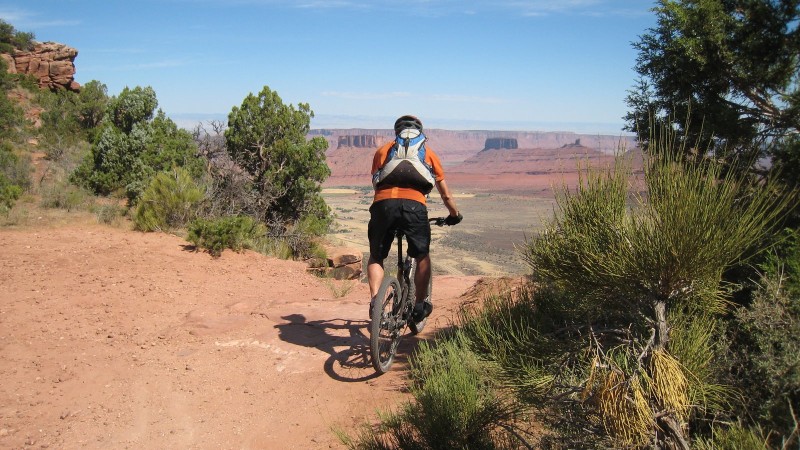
(392, 309)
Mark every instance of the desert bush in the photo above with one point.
(69, 117)
(267, 140)
(109, 214)
(11, 38)
(60, 194)
(455, 406)
(133, 145)
(644, 283)
(734, 437)
(302, 237)
(765, 344)
(621, 347)
(215, 235)
(14, 176)
(338, 288)
(11, 115)
(15, 166)
(170, 201)
(9, 193)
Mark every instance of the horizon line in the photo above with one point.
(344, 122)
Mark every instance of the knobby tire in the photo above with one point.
(384, 332)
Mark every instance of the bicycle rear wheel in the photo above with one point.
(386, 325)
(416, 327)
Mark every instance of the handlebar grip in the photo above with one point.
(438, 221)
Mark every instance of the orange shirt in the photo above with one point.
(379, 159)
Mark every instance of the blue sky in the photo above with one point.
(458, 64)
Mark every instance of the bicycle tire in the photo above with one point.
(417, 327)
(384, 329)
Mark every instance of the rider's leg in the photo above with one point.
(422, 277)
(374, 275)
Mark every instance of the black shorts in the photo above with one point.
(409, 216)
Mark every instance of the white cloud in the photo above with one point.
(14, 15)
(367, 95)
(23, 20)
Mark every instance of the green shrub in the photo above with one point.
(133, 145)
(11, 38)
(765, 344)
(303, 237)
(14, 176)
(9, 193)
(646, 283)
(734, 437)
(169, 202)
(63, 195)
(267, 139)
(456, 406)
(16, 167)
(109, 213)
(236, 233)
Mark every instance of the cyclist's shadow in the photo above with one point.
(349, 364)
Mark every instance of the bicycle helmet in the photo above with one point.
(406, 122)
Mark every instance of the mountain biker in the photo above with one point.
(402, 182)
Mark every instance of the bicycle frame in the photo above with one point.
(387, 327)
(403, 269)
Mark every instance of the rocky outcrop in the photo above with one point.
(52, 64)
(341, 264)
(358, 141)
(500, 143)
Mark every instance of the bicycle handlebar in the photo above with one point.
(438, 221)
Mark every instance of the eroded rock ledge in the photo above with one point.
(52, 64)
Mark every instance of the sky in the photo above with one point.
(529, 65)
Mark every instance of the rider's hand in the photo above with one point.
(453, 220)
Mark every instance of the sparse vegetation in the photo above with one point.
(134, 144)
(339, 288)
(628, 337)
(268, 140)
(170, 202)
(12, 39)
(619, 343)
(235, 233)
(15, 176)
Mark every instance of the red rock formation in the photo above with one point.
(359, 141)
(50, 62)
(482, 158)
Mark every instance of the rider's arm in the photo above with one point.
(447, 197)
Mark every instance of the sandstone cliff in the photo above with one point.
(52, 64)
(498, 143)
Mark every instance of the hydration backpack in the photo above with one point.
(405, 164)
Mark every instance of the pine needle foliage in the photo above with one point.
(456, 406)
(635, 281)
(169, 202)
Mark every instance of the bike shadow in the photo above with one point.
(349, 359)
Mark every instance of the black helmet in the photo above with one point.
(405, 122)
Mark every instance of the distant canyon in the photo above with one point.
(484, 160)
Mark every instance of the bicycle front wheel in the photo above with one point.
(386, 326)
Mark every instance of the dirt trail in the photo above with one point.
(116, 339)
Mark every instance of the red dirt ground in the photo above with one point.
(117, 339)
